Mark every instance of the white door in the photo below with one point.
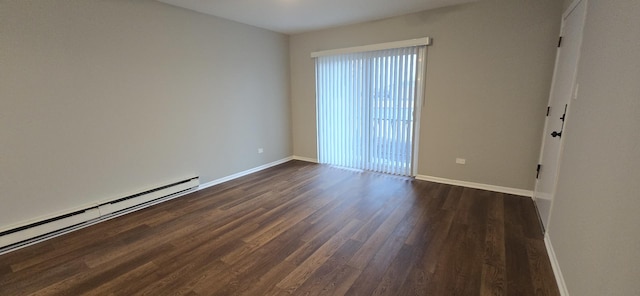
(562, 90)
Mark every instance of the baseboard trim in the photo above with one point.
(244, 173)
(307, 159)
(507, 190)
(562, 286)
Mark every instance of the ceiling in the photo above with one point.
(296, 16)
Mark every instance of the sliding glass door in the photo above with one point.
(366, 104)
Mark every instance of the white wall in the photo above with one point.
(595, 220)
(566, 4)
(99, 99)
(487, 85)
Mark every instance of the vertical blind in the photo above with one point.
(365, 108)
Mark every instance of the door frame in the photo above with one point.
(574, 89)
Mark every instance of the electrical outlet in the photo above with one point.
(260, 150)
(461, 161)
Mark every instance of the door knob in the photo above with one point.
(556, 134)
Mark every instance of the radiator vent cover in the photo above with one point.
(31, 233)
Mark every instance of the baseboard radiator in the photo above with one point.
(31, 233)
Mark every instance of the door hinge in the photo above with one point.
(548, 110)
(538, 171)
(559, 41)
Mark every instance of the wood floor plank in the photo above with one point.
(332, 273)
(517, 261)
(325, 234)
(540, 266)
(438, 239)
(493, 269)
(115, 286)
(376, 267)
(249, 268)
(254, 242)
(397, 272)
(300, 229)
(266, 281)
(450, 262)
(318, 258)
(468, 280)
(82, 282)
(341, 282)
(417, 282)
(32, 283)
(379, 237)
(374, 223)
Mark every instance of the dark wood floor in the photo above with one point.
(302, 229)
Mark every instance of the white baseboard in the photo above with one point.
(562, 286)
(244, 173)
(307, 159)
(507, 190)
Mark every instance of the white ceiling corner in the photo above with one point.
(296, 16)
